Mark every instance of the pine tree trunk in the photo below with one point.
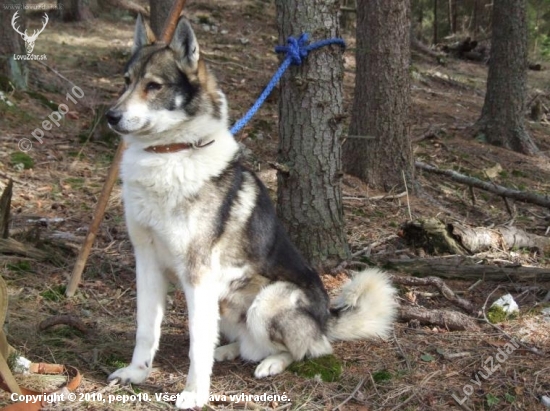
(11, 43)
(310, 113)
(502, 118)
(73, 10)
(436, 22)
(160, 9)
(378, 150)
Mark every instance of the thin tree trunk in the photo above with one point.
(12, 70)
(502, 121)
(309, 200)
(436, 22)
(73, 10)
(454, 16)
(450, 16)
(378, 150)
(160, 9)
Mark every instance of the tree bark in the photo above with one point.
(502, 121)
(14, 71)
(309, 199)
(378, 150)
(160, 9)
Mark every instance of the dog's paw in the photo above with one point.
(132, 374)
(227, 352)
(270, 366)
(191, 399)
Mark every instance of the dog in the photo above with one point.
(197, 216)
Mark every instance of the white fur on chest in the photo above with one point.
(157, 189)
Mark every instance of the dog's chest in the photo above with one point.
(170, 204)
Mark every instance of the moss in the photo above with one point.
(20, 267)
(75, 182)
(55, 293)
(43, 99)
(114, 361)
(328, 367)
(381, 376)
(497, 315)
(21, 158)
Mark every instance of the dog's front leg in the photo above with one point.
(151, 297)
(202, 305)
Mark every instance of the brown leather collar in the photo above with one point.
(175, 147)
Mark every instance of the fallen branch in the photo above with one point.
(524, 196)
(69, 320)
(438, 237)
(441, 286)
(453, 320)
(465, 269)
(11, 246)
(421, 47)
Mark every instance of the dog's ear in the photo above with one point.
(184, 43)
(143, 35)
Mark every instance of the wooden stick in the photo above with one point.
(169, 28)
(96, 221)
(172, 22)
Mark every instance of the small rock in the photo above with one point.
(244, 40)
(545, 401)
(545, 311)
(214, 29)
(224, 32)
(206, 27)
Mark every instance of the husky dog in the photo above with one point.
(197, 216)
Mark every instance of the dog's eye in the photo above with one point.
(127, 81)
(152, 86)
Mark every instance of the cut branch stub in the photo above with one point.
(433, 235)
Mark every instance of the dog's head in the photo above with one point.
(167, 86)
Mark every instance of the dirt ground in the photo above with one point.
(57, 184)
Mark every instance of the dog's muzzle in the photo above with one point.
(113, 117)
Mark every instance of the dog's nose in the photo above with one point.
(113, 117)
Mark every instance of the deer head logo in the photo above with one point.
(29, 40)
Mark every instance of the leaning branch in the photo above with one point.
(524, 196)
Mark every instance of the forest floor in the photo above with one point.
(57, 183)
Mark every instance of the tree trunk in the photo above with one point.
(450, 10)
(454, 16)
(378, 150)
(73, 10)
(475, 18)
(160, 9)
(11, 70)
(501, 120)
(436, 22)
(309, 200)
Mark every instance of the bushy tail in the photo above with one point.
(365, 308)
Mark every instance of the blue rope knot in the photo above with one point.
(296, 52)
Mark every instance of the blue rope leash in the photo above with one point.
(296, 52)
